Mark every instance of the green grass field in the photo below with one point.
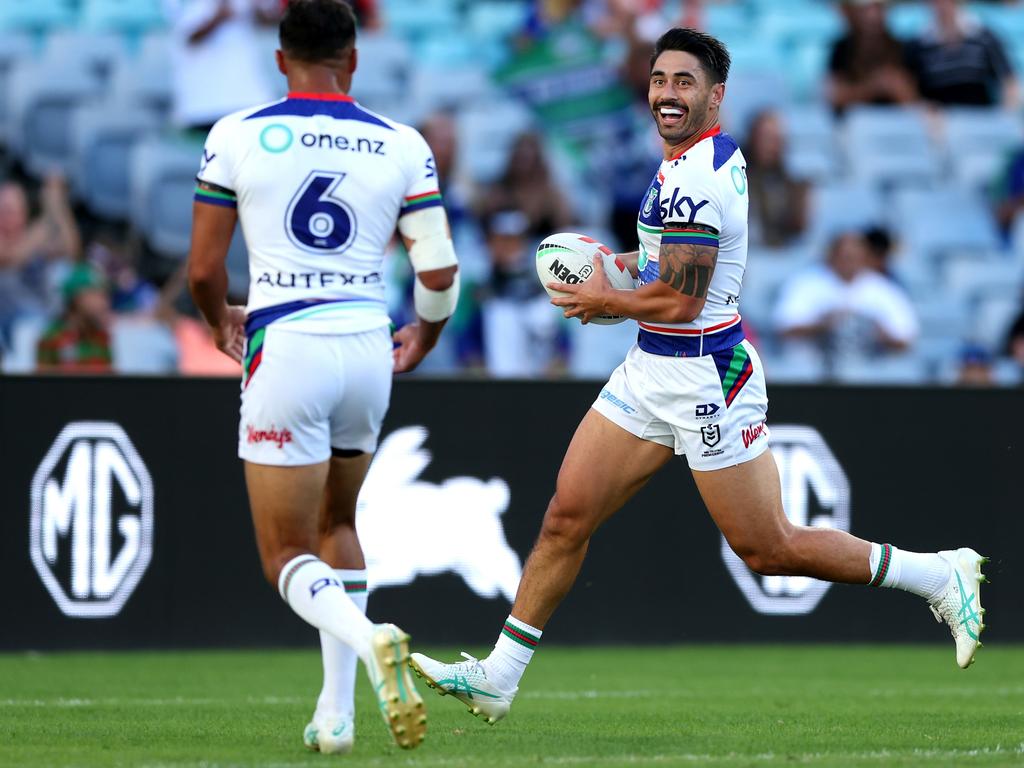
(691, 705)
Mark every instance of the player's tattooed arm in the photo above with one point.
(688, 268)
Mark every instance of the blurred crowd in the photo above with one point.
(84, 293)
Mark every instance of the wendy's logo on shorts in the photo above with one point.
(711, 435)
(751, 433)
(272, 435)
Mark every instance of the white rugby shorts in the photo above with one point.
(711, 408)
(307, 395)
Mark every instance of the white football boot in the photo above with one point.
(959, 604)
(400, 704)
(466, 681)
(330, 735)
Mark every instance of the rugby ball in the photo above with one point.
(568, 257)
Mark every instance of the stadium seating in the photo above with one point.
(86, 84)
(977, 142)
(103, 136)
(886, 146)
(14, 47)
(162, 184)
(41, 98)
(944, 220)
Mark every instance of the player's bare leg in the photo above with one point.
(332, 727)
(603, 467)
(285, 504)
(745, 502)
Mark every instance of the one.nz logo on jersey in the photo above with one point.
(91, 519)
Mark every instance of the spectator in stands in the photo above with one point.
(522, 332)
(526, 186)
(778, 202)
(868, 64)
(959, 62)
(79, 340)
(439, 130)
(34, 252)
(975, 367)
(218, 58)
(1009, 192)
(844, 308)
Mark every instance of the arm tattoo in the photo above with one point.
(688, 268)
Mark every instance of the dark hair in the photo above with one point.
(710, 51)
(315, 30)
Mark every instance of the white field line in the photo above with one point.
(571, 695)
(882, 757)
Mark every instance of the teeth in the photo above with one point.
(671, 111)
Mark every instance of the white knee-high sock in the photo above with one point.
(337, 697)
(922, 573)
(513, 651)
(313, 590)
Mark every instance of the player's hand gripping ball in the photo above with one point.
(568, 258)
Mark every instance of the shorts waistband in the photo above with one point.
(690, 346)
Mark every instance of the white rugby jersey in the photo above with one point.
(707, 185)
(319, 183)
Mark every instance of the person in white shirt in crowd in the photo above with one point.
(843, 308)
(218, 63)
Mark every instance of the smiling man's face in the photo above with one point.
(681, 96)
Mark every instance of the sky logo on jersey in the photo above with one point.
(276, 138)
(681, 208)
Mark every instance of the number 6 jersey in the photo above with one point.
(319, 183)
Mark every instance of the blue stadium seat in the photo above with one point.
(162, 186)
(42, 96)
(102, 139)
(890, 145)
(843, 206)
(903, 369)
(944, 220)
(145, 81)
(126, 17)
(485, 133)
(99, 53)
(15, 47)
(806, 64)
(974, 278)
(908, 20)
(797, 22)
(36, 16)
(748, 93)
(977, 142)
(943, 316)
(416, 19)
(811, 151)
(994, 315)
(384, 60)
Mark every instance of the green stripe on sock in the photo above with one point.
(355, 586)
(520, 636)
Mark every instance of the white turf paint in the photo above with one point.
(787, 758)
(579, 695)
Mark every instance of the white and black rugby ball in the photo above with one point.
(568, 257)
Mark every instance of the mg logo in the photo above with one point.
(91, 526)
(815, 492)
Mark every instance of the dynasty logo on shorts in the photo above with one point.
(272, 435)
(706, 411)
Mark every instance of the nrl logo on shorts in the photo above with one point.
(407, 525)
(815, 492)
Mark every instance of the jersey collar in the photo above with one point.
(712, 131)
(319, 96)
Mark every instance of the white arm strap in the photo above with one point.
(434, 306)
(431, 249)
(431, 246)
